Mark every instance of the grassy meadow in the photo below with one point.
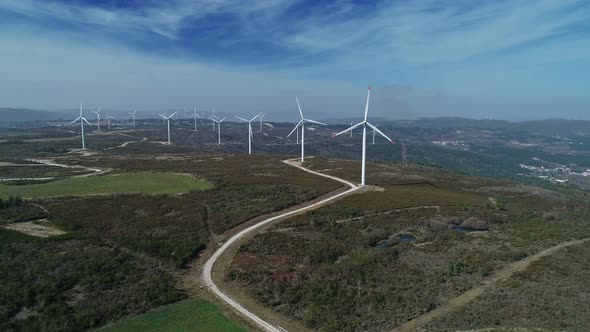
(187, 315)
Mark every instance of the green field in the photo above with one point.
(149, 183)
(189, 315)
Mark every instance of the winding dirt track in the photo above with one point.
(208, 267)
(409, 326)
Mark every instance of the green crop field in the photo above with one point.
(189, 315)
(151, 183)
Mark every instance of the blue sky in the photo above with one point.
(501, 59)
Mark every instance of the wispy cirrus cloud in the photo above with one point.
(513, 49)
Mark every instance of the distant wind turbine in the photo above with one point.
(301, 124)
(82, 120)
(364, 124)
(218, 129)
(97, 112)
(133, 116)
(109, 117)
(195, 115)
(167, 119)
(214, 119)
(249, 130)
(260, 117)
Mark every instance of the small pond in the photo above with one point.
(402, 238)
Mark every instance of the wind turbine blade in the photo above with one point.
(299, 107)
(172, 115)
(296, 126)
(78, 118)
(220, 121)
(163, 116)
(367, 105)
(316, 122)
(257, 115)
(379, 132)
(86, 121)
(98, 111)
(349, 129)
(241, 118)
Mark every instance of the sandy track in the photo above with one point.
(208, 267)
(472, 294)
(90, 170)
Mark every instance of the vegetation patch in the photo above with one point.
(326, 270)
(551, 294)
(188, 315)
(153, 183)
(74, 282)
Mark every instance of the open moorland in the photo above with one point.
(131, 248)
(147, 183)
(112, 234)
(378, 259)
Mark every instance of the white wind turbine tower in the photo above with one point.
(97, 112)
(351, 130)
(82, 120)
(133, 116)
(249, 130)
(195, 115)
(364, 124)
(109, 117)
(301, 124)
(167, 119)
(218, 129)
(377, 125)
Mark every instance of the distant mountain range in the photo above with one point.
(29, 115)
(555, 126)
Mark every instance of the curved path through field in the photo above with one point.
(208, 267)
(473, 293)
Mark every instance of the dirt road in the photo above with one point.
(208, 267)
(472, 294)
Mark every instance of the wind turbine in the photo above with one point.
(213, 119)
(218, 129)
(302, 124)
(167, 119)
(364, 124)
(133, 116)
(377, 125)
(261, 116)
(249, 130)
(97, 112)
(82, 120)
(195, 115)
(109, 117)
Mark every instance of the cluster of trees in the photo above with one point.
(74, 283)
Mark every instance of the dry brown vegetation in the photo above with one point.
(324, 270)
